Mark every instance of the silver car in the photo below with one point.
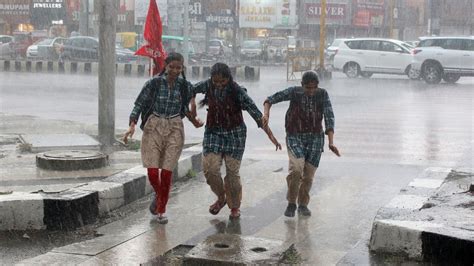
(251, 49)
(49, 49)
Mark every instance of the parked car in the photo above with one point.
(5, 50)
(277, 49)
(5, 39)
(444, 58)
(124, 55)
(412, 43)
(251, 49)
(47, 49)
(331, 50)
(84, 48)
(175, 44)
(32, 50)
(81, 48)
(366, 56)
(219, 47)
(20, 43)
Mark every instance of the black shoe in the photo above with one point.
(153, 205)
(303, 210)
(290, 210)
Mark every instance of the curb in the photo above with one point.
(418, 239)
(247, 73)
(82, 205)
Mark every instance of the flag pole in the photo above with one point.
(151, 67)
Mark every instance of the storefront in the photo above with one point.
(368, 19)
(49, 15)
(260, 19)
(15, 16)
(338, 19)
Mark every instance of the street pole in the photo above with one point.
(391, 18)
(83, 18)
(107, 31)
(322, 34)
(186, 32)
(323, 73)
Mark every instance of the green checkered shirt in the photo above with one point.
(219, 140)
(167, 102)
(307, 145)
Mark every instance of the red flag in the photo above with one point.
(153, 46)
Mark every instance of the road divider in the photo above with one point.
(241, 72)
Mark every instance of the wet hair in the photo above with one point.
(223, 70)
(173, 56)
(310, 76)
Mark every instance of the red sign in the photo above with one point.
(369, 13)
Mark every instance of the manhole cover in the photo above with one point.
(72, 154)
(71, 160)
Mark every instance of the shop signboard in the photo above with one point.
(219, 13)
(268, 14)
(369, 13)
(195, 11)
(286, 14)
(45, 13)
(336, 13)
(15, 11)
(257, 14)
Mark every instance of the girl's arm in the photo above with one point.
(329, 123)
(331, 145)
(190, 106)
(284, 95)
(192, 114)
(266, 113)
(140, 103)
(272, 137)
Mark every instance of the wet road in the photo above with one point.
(384, 117)
(388, 128)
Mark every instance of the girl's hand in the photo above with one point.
(197, 122)
(129, 133)
(334, 149)
(272, 138)
(276, 143)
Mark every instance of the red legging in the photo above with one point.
(162, 186)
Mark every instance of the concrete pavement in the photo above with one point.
(334, 235)
(35, 198)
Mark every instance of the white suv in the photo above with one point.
(365, 56)
(446, 58)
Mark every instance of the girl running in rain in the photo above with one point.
(304, 136)
(225, 135)
(162, 103)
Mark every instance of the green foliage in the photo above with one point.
(291, 256)
(191, 173)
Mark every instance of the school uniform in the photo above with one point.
(304, 137)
